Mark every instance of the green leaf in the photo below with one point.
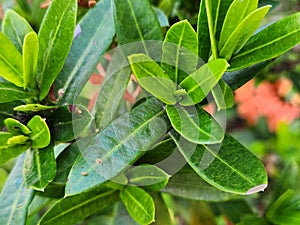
(121, 216)
(10, 92)
(253, 220)
(161, 16)
(71, 210)
(15, 27)
(39, 168)
(148, 176)
(152, 78)
(285, 210)
(162, 212)
(219, 11)
(242, 33)
(223, 95)
(141, 22)
(180, 58)
(139, 204)
(55, 39)
(238, 78)
(195, 124)
(15, 197)
(188, 184)
(8, 151)
(11, 67)
(33, 108)
(112, 91)
(269, 43)
(30, 57)
(87, 49)
(238, 10)
(68, 122)
(228, 166)
(17, 140)
(198, 84)
(15, 127)
(40, 134)
(118, 146)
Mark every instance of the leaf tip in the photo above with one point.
(256, 189)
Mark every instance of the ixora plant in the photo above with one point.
(73, 163)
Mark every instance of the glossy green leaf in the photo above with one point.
(15, 197)
(15, 127)
(18, 140)
(238, 78)
(147, 176)
(121, 216)
(223, 96)
(188, 184)
(9, 151)
(181, 57)
(141, 22)
(71, 210)
(112, 90)
(219, 11)
(152, 78)
(198, 84)
(238, 10)
(139, 204)
(158, 153)
(242, 172)
(15, 28)
(39, 167)
(10, 92)
(269, 43)
(93, 39)
(30, 57)
(242, 33)
(118, 146)
(161, 16)
(68, 122)
(285, 210)
(55, 39)
(195, 124)
(40, 134)
(11, 67)
(33, 108)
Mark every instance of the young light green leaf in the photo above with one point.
(269, 43)
(223, 95)
(188, 184)
(87, 49)
(15, 197)
(148, 176)
(195, 124)
(9, 151)
(11, 67)
(39, 168)
(30, 57)
(68, 122)
(15, 27)
(139, 204)
(152, 78)
(219, 11)
(230, 157)
(33, 108)
(15, 127)
(238, 10)
(17, 140)
(55, 39)
(285, 210)
(70, 210)
(118, 146)
(40, 134)
(141, 25)
(198, 84)
(10, 92)
(180, 58)
(243, 32)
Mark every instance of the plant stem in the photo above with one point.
(211, 29)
